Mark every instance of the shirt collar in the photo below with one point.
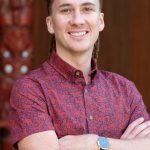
(68, 71)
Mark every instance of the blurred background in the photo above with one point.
(24, 45)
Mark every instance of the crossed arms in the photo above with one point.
(135, 137)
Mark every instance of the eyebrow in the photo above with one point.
(88, 4)
(83, 4)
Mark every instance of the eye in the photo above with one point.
(66, 11)
(24, 69)
(6, 54)
(8, 68)
(25, 54)
(88, 9)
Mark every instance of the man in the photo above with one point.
(68, 103)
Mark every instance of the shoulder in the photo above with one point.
(31, 82)
(114, 77)
(117, 82)
(36, 76)
(28, 89)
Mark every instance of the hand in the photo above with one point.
(79, 142)
(137, 129)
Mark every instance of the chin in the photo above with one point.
(79, 51)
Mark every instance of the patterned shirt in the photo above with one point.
(56, 97)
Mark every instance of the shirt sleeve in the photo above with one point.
(138, 108)
(28, 110)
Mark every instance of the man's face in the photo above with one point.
(76, 24)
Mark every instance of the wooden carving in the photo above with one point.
(16, 47)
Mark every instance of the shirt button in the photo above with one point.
(77, 73)
(91, 117)
(86, 91)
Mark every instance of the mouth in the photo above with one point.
(78, 34)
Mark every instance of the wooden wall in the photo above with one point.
(125, 47)
(125, 42)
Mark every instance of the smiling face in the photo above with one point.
(76, 25)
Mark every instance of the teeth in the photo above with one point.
(77, 33)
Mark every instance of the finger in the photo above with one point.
(139, 129)
(131, 127)
(144, 133)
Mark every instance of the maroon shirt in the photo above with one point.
(56, 97)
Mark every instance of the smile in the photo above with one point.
(78, 34)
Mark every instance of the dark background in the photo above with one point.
(125, 42)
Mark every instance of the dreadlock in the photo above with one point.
(52, 44)
(96, 49)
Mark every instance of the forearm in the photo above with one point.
(132, 144)
(89, 142)
(135, 137)
(79, 142)
(46, 140)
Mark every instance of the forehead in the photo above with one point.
(74, 2)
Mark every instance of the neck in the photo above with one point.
(80, 61)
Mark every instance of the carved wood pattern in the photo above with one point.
(16, 48)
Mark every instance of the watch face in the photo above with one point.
(104, 143)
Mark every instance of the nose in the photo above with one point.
(77, 18)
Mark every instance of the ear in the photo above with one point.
(101, 22)
(49, 25)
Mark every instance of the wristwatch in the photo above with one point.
(103, 143)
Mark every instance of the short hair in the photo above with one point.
(50, 3)
(53, 41)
